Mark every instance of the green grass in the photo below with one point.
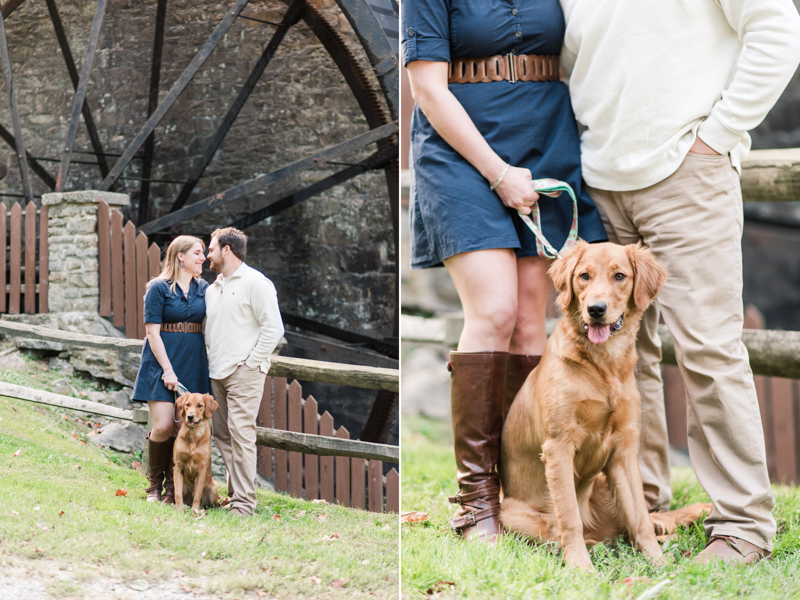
(434, 561)
(59, 510)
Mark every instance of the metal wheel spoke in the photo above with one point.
(36, 167)
(80, 94)
(173, 93)
(155, 78)
(86, 111)
(376, 161)
(259, 183)
(12, 100)
(290, 18)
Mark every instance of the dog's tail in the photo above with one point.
(666, 523)
(522, 517)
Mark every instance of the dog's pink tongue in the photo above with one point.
(599, 333)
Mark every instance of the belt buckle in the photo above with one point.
(512, 71)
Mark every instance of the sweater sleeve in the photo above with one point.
(770, 33)
(264, 302)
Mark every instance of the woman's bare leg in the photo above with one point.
(486, 282)
(533, 291)
(161, 414)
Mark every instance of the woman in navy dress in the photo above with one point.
(479, 135)
(175, 351)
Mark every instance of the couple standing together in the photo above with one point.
(242, 324)
(666, 92)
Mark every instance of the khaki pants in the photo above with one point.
(692, 221)
(234, 425)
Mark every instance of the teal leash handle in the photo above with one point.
(182, 389)
(552, 188)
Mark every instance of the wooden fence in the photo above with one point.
(24, 269)
(339, 474)
(353, 482)
(778, 399)
(126, 264)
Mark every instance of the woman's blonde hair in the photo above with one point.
(171, 265)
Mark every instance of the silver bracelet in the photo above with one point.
(499, 178)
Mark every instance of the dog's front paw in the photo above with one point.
(179, 507)
(579, 559)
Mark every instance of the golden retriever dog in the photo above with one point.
(569, 460)
(192, 453)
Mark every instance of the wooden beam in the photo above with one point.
(772, 353)
(282, 366)
(771, 176)
(325, 446)
(51, 399)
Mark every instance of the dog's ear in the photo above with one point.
(211, 405)
(561, 272)
(181, 401)
(648, 275)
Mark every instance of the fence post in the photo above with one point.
(74, 283)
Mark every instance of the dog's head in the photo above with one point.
(601, 284)
(195, 408)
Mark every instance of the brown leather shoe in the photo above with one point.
(169, 476)
(158, 455)
(477, 392)
(731, 550)
(519, 367)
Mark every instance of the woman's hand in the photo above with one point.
(515, 190)
(170, 381)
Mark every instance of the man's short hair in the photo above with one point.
(235, 239)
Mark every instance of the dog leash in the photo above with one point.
(552, 188)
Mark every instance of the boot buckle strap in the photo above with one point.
(472, 518)
(460, 498)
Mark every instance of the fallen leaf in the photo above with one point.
(338, 583)
(632, 580)
(276, 517)
(17, 453)
(319, 501)
(44, 528)
(186, 588)
(121, 493)
(13, 512)
(365, 561)
(413, 517)
(74, 435)
(82, 394)
(687, 553)
(65, 417)
(36, 550)
(316, 579)
(15, 408)
(329, 538)
(322, 517)
(440, 586)
(103, 488)
(136, 465)
(60, 513)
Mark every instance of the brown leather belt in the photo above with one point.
(182, 327)
(511, 67)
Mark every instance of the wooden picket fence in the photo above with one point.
(24, 261)
(126, 264)
(353, 482)
(778, 399)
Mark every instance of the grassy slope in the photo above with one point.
(58, 507)
(431, 554)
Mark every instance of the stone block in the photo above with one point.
(82, 225)
(39, 345)
(85, 197)
(123, 437)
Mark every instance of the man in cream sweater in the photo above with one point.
(667, 92)
(243, 327)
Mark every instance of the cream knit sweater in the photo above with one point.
(648, 76)
(243, 323)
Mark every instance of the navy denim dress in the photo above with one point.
(529, 124)
(186, 351)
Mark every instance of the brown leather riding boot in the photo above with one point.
(159, 454)
(519, 367)
(477, 390)
(169, 480)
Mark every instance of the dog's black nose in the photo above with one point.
(597, 310)
(190, 417)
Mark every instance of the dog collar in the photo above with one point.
(615, 326)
